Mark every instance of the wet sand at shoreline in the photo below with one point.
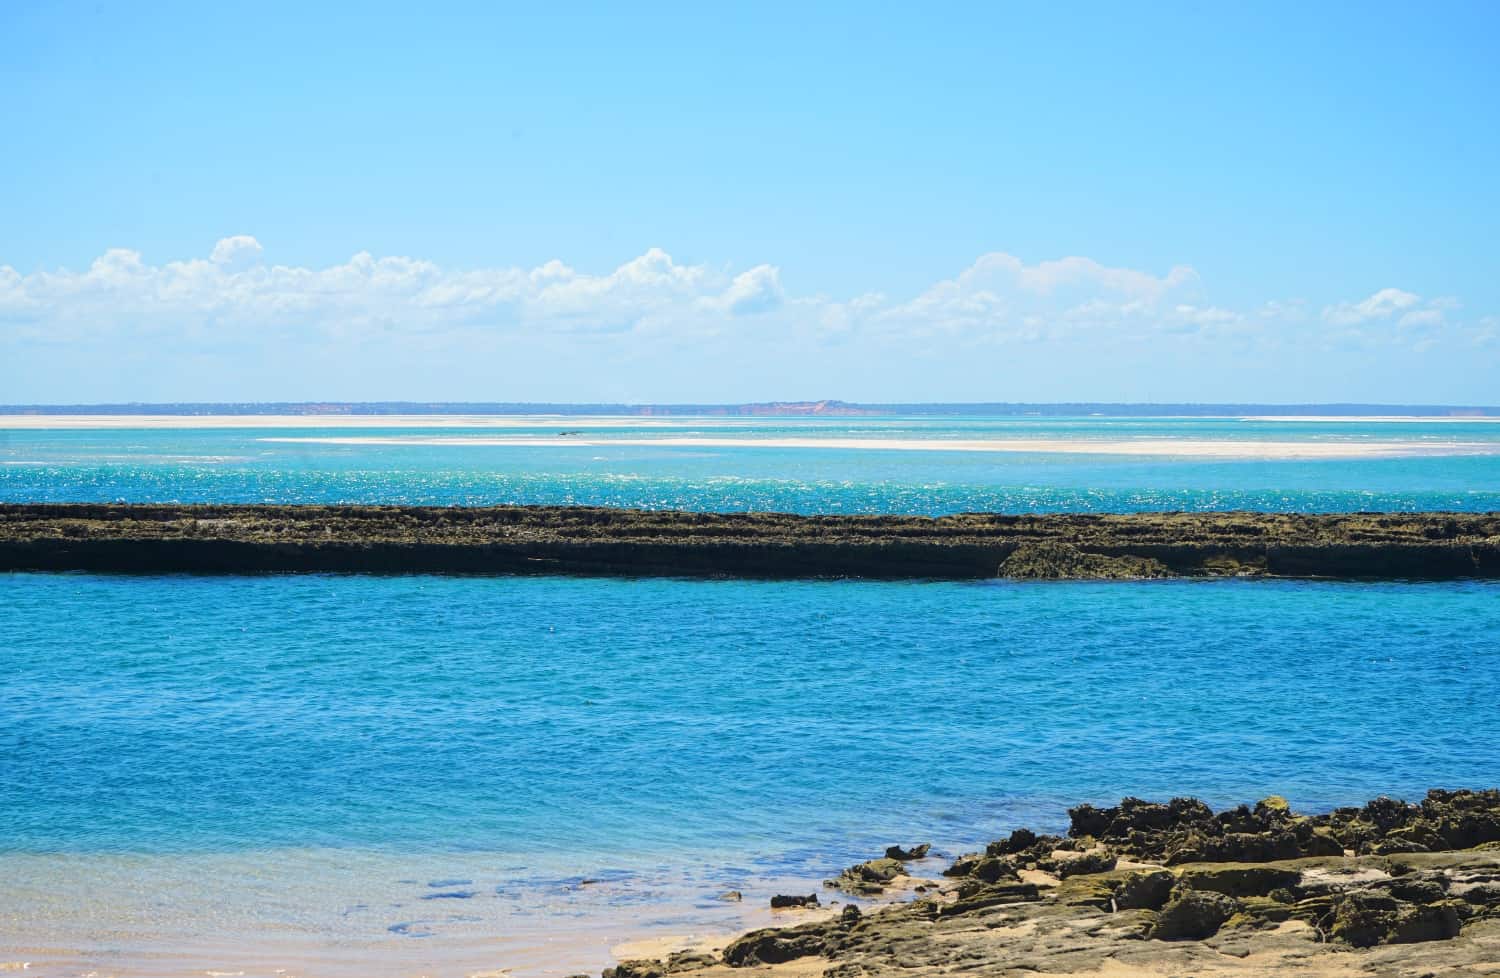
(305, 913)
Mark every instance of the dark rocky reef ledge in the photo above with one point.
(1155, 889)
(148, 538)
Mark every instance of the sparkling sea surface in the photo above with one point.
(342, 775)
(246, 465)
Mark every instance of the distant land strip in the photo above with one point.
(818, 408)
(505, 540)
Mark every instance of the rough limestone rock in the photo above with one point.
(637, 969)
(1144, 890)
(1064, 561)
(1098, 861)
(782, 901)
(1192, 915)
(991, 895)
(1363, 918)
(240, 539)
(868, 878)
(1402, 915)
(779, 945)
(1238, 880)
(1019, 841)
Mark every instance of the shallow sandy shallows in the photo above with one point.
(335, 913)
(584, 431)
(1159, 447)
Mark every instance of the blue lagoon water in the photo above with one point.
(602, 718)
(346, 775)
(311, 756)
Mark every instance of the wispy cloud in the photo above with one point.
(1381, 305)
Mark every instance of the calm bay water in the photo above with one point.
(601, 718)
(416, 775)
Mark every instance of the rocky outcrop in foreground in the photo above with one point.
(1170, 889)
(585, 540)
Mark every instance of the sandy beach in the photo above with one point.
(1155, 447)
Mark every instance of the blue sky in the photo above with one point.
(986, 202)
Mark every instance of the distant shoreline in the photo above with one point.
(813, 408)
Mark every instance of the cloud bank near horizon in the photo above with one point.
(240, 325)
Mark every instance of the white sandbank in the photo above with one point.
(1195, 448)
(1377, 418)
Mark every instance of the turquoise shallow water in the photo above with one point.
(242, 466)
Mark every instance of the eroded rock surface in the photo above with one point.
(153, 538)
(1131, 892)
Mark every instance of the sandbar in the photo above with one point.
(1153, 447)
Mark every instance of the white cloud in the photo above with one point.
(1487, 332)
(1382, 305)
(236, 295)
(238, 251)
(1421, 318)
(1000, 297)
(758, 290)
